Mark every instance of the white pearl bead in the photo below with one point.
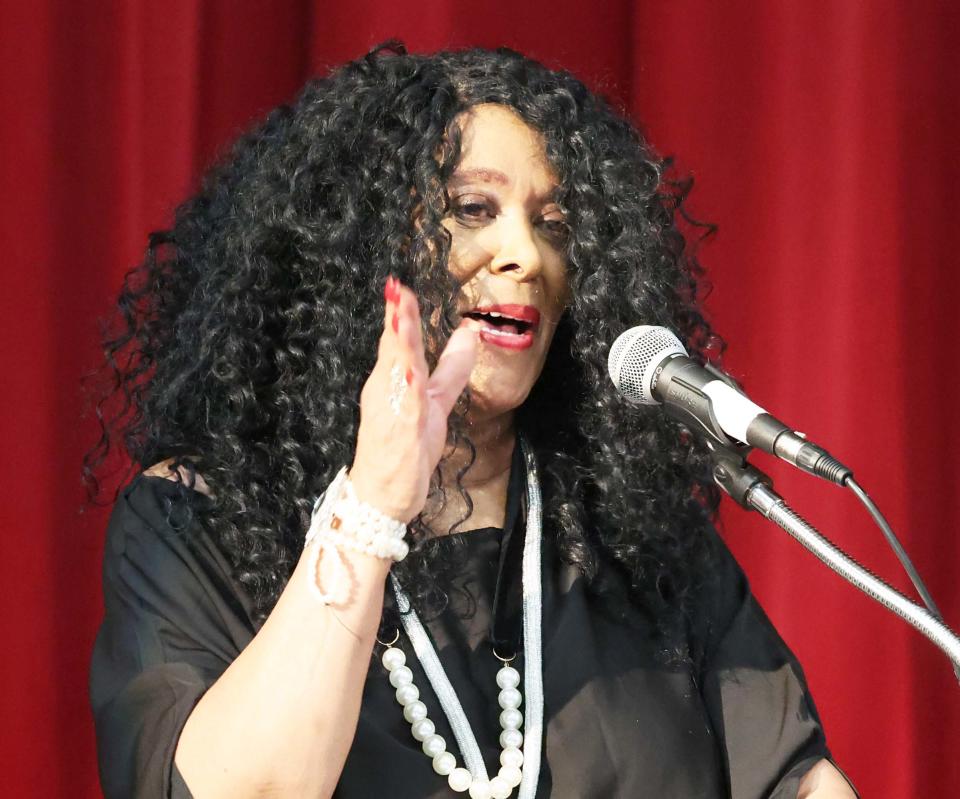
(407, 694)
(459, 780)
(401, 675)
(508, 677)
(444, 763)
(512, 775)
(509, 697)
(480, 789)
(500, 788)
(509, 738)
(511, 719)
(393, 658)
(511, 756)
(434, 745)
(415, 711)
(422, 729)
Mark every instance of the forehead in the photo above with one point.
(497, 146)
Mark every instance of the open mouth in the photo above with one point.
(508, 326)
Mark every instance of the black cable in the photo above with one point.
(899, 551)
(897, 547)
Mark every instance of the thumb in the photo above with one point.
(453, 368)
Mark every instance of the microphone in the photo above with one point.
(649, 366)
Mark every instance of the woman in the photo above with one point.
(456, 240)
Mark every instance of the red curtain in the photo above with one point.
(823, 139)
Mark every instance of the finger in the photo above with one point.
(454, 368)
(387, 345)
(410, 333)
(399, 393)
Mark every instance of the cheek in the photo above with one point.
(467, 253)
(558, 286)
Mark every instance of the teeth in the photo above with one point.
(495, 331)
(498, 315)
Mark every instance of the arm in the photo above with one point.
(824, 781)
(281, 718)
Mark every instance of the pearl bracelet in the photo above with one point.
(380, 546)
(340, 520)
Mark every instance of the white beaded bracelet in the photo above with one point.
(340, 520)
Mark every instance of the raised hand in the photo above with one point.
(404, 409)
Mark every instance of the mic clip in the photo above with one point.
(689, 405)
(734, 474)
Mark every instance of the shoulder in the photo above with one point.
(160, 546)
(722, 593)
(177, 473)
(156, 510)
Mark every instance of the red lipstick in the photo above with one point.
(509, 326)
(522, 313)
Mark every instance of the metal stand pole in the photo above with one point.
(761, 498)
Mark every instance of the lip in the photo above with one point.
(522, 313)
(510, 341)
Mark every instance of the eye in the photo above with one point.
(556, 230)
(473, 209)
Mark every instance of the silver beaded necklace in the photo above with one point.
(517, 748)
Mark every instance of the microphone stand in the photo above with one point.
(753, 490)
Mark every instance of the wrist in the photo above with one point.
(372, 493)
(341, 525)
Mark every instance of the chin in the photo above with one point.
(490, 401)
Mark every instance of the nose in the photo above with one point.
(518, 254)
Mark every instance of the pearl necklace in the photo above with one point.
(474, 777)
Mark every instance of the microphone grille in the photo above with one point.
(634, 357)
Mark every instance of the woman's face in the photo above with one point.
(508, 245)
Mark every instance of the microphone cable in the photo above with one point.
(899, 551)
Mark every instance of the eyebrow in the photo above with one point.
(490, 175)
(481, 174)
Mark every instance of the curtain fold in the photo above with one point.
(823, 141)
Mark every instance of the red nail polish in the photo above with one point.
(409, 376)
(387, 292)
(395, 322)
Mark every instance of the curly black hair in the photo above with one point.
(246, 334)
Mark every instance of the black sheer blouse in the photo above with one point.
(618, 722)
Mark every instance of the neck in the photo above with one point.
(493, 440)
(486, 480)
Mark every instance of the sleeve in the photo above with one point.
(755, 692)
(173, 622)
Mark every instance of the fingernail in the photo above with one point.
(395, 322)
(387, 293)
(409, 376)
